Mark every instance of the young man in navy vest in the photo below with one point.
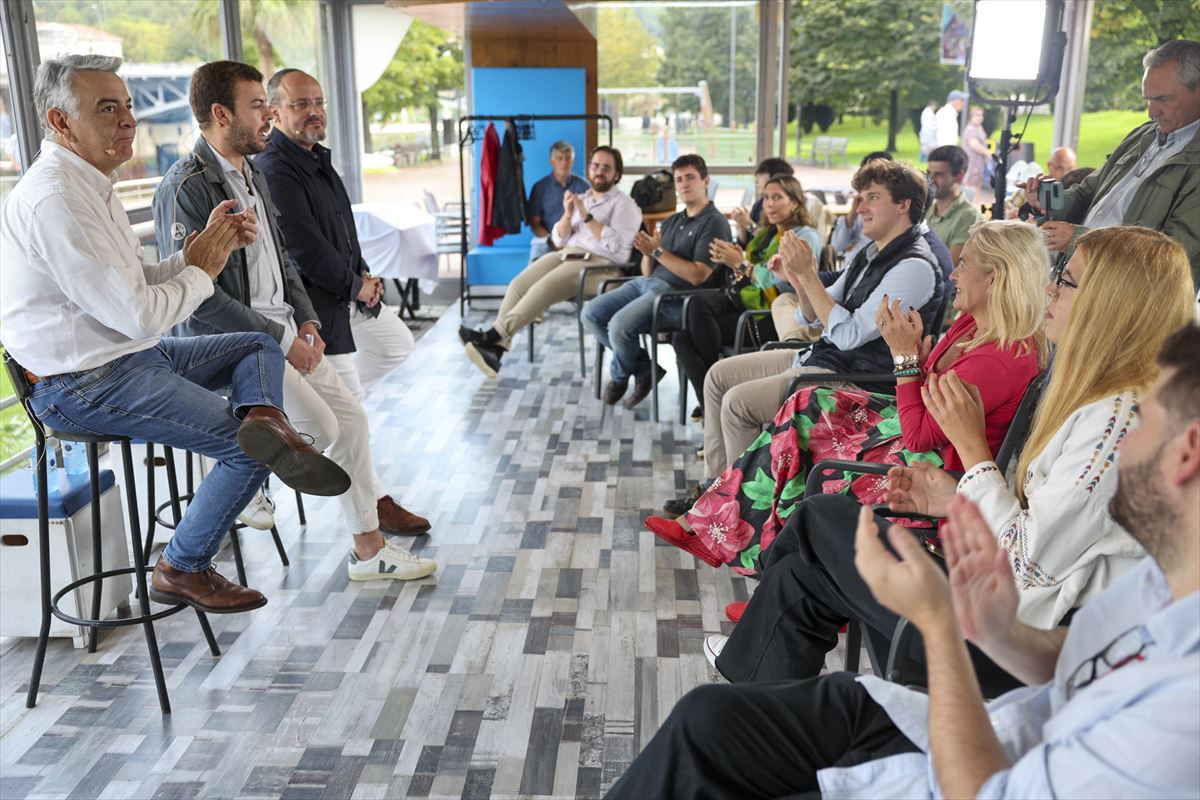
(743, 393)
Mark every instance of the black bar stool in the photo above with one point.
(50, 603)
(176, 505)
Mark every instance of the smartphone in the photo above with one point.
(1050, 194)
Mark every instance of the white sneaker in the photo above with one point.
(713, 645)
(390, 563)
(260, 514)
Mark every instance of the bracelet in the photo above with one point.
(907, 373)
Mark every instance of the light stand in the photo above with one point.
(1000, 177)
(1005, 69)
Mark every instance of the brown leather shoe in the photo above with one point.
(268, 438)
(395, 518)
(642, 387)
(206, 591)
(614, 391)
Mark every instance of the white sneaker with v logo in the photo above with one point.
(390, 563)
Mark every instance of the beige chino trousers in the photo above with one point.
(543, 283)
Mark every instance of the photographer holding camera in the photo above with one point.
(1152, 179)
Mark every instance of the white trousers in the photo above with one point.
(381, 344)
(320, 405)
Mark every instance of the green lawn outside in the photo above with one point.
(1100, 132)
(16, 434)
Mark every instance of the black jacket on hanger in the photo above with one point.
(508, 204)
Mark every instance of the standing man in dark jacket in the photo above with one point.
(258, 291)
(366, 340)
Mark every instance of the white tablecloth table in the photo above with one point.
(398, 241)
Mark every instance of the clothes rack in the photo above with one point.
(470, 130)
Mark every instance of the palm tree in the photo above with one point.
(257, 18)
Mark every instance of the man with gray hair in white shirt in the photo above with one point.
(84, 314)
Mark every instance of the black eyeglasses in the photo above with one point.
(1125, 649)
(1058, 275)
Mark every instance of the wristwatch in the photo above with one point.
(588, 218)
(656, 253)
(906, 362)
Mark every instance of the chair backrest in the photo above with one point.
(1022, 421)
(431, 203)
(821, 219)
(16, 374)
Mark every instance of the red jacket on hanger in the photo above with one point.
(488, 165)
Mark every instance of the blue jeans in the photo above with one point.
(167, 394)
(619, 317)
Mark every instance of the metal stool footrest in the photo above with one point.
(107, 623)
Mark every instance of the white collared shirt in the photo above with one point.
(75, 289)
(620, 217)
(263, 268)
(1109, 210)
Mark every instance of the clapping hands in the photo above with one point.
(798, 258)
(957, 407)
(902, 329)
(726, 253)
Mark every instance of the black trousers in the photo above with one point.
(711, 322)
(761, 740)
(810, 588)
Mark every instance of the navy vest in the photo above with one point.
(875, 356)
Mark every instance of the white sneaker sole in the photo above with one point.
(713, 646)
(414, 575)
(477, 360)
(257, 522)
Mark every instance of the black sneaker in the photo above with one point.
(486, 357)
(642, 387)
(698, 414)
(470, 335)
(681, 505)
(614, 391)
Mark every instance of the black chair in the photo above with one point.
(629, 270)
(898, 659)
(23, 386)
(607, 284)
(657, 329)
(177, 500)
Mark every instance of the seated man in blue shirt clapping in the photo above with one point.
(1112, 708)
(545, 207)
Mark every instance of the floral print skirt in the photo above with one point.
(744, 509)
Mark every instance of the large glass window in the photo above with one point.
(279, 34)
(16, 434)
(161, 43)
(10, 153)
(680, 78)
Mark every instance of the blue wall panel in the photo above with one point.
(502, 91)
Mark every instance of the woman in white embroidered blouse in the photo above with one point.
(1109, 310)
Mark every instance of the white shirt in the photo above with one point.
(1132, 732)
(947, 125)
(263, 270)
(928, 133)
(1109, 210)
(1064, 547)
(75, 289)
(620, 217)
